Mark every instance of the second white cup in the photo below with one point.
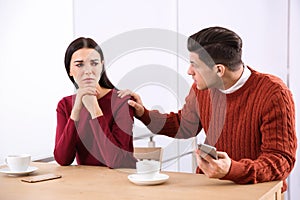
(18, 163)
(147, 169)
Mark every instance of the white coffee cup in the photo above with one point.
(147, 169)
(18, 162)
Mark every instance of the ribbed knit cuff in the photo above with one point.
(236, 169)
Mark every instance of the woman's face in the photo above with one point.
(86, 67)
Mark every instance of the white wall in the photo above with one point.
(294, 72)
(34, 36)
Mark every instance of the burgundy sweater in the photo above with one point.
(255, 125)
(103, 141)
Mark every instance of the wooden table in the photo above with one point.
(87, 182)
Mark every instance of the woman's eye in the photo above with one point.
(94, 63)
(79, 65)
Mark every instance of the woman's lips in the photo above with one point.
(88, 79)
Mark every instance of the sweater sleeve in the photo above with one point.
(278, 146)
(184, 124)
(65, 141)
(115, 141)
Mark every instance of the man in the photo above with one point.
(248, 116)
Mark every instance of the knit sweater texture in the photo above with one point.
(254, 125)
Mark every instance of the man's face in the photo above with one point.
(203, 76)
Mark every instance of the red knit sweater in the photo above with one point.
(103, 141)
(255, 125)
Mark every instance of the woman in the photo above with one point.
(94, 124)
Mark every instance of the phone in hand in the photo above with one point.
(210, 150)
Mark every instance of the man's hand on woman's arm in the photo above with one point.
(137, 103)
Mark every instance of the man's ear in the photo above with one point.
(220, 70)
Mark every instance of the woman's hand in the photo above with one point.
(137, 104)
(81, 92)
(211, 167)
(91, 104)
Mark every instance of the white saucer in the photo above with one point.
(158, 179)
(7, 171)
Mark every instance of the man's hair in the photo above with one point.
(217, 45)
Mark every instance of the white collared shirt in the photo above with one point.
(246, 74)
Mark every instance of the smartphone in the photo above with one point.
(38, 178)
(210, 150)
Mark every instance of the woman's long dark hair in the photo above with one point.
(81, 43)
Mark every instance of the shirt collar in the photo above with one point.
(245, 75)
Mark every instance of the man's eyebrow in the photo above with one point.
(78, 60)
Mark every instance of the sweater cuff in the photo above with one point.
(145, 118)
(236, 169)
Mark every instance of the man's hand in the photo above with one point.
(137, 104)
(211, 167)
